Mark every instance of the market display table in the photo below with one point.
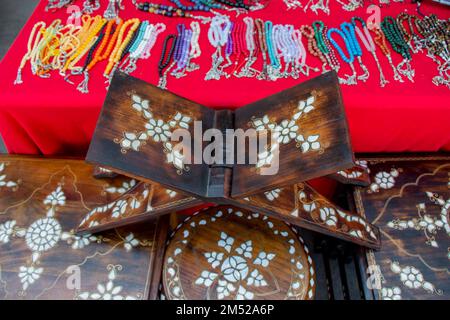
(49, 116)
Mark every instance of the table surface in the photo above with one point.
(49, 116)
(414, 259)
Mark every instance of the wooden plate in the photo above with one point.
(228, 253)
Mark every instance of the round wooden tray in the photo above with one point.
(228, 253)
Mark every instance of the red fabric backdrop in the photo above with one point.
(49, 116)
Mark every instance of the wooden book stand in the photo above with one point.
(133, 137)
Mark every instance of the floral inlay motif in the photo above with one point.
(108, 290)
(40, 249)
(333, 216)
(116, 209)
(234, 267)
(8, 229)
(424, 222)
(158, 131)
(44, 234)
(412, 278)
(4, 182)
(394, 293)
(130, 242)
(126, 186)
(378, 281)
(286, 131)
(41, 236)
(384, 180)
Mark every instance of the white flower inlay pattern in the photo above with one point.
(56, 198)
(266, 157)
(384, 180)
(428, 224)
(119, 209)
(28, 275)
(126, 185)
(331, 216)
(43, 234)
(412, 278)
(130, 242)
(158, 130)
(109, 290)
(394, 293)
(234, 269)
(3, 182)
(7, 230)
(286, 131)
(214, 258)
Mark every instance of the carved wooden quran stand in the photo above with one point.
(133, 137)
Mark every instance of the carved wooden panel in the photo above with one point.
(133, 134)
(312, 136)
(138, 121)
(41, 257)
(302, 206)
(139, 203)
(409, 200)
(228, 253)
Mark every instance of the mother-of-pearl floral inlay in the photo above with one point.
(117, 208)
(126, 186)
(330, 216)
(41, 236)
(4, 182)
(234, 267)
(45, 233)
(426, 223)
(384, 180)
(285, 131)
(109, 290)
(156, 130)
(412, 278)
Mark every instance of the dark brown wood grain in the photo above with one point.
(149, 163)
(327, 120)
(158, 202)
(41, 257)
(302, 206)
(408, 200)
(314, 108)
(120, 118)
(214, 255)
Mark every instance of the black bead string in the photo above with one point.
(164, 61)
(90, 54)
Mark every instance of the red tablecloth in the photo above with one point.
(50, 116)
